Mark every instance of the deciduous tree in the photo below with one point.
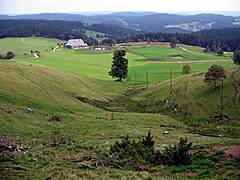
(186, 69)
(214, 74)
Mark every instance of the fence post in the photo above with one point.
(147, 79)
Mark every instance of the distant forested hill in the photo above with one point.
(145, 21)
(58, 29)
(226, 39)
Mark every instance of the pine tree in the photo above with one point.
(236, 57)
(119, 68)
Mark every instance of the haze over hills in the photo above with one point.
(144, 21)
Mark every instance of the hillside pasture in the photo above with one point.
(93, 34)
(21, 46)
(83, 130)
(164, 54)
(63, 83)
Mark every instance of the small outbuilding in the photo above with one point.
(75, 43)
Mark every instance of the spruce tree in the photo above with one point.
(119, 67)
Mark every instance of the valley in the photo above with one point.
(64, 109)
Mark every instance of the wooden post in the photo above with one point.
(170, 82)
(135, 78)
(221, 111)
(147, 79)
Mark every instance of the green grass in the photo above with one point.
(197, 102)
(193, 48)
(96, 64)
(164, 53)
(20, 48)
(84, 64)
(161, 72)
(49, 86)
(93, 35)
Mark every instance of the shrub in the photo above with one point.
(134, 153)
(186, 69)
(178, 154)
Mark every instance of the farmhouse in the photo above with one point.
(75, 43)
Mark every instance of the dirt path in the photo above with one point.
(190, 62)
(56, 49)
(182, 48)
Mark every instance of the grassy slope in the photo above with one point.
(193, 48)
(81, 63)
(163, 53)
(96, 64)
(34, 43)
(197, 101)
(94, 33)
(49, 92)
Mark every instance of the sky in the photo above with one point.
(78, 6)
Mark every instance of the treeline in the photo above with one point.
(58, 29)
(226, 39)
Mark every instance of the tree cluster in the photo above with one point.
(9, 55)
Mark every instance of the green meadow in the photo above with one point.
(95, 111)
(95, 64)
(93, 35)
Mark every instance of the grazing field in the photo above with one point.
(193, 48)
(196, 99)
(65, 113)
(56, 146)
(96, 64)
(21, 46)
(93, 34)
(167, 54)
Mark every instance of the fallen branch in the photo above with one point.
(106, 100)
(117, 166)
(85, 166)
(20, 168)
(209, 135)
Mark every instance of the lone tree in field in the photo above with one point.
(10, 55)
(186, 69)
(215, 73)
(236, 57)
(119, 68)
(174, 42)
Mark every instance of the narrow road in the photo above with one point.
(55, 49)
(182, 48)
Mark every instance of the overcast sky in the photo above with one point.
(41, 6)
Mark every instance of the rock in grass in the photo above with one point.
(165, 132)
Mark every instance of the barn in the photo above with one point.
(75, 43)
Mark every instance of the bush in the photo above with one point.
(186, 69)
(178, 154)
(134, 154)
